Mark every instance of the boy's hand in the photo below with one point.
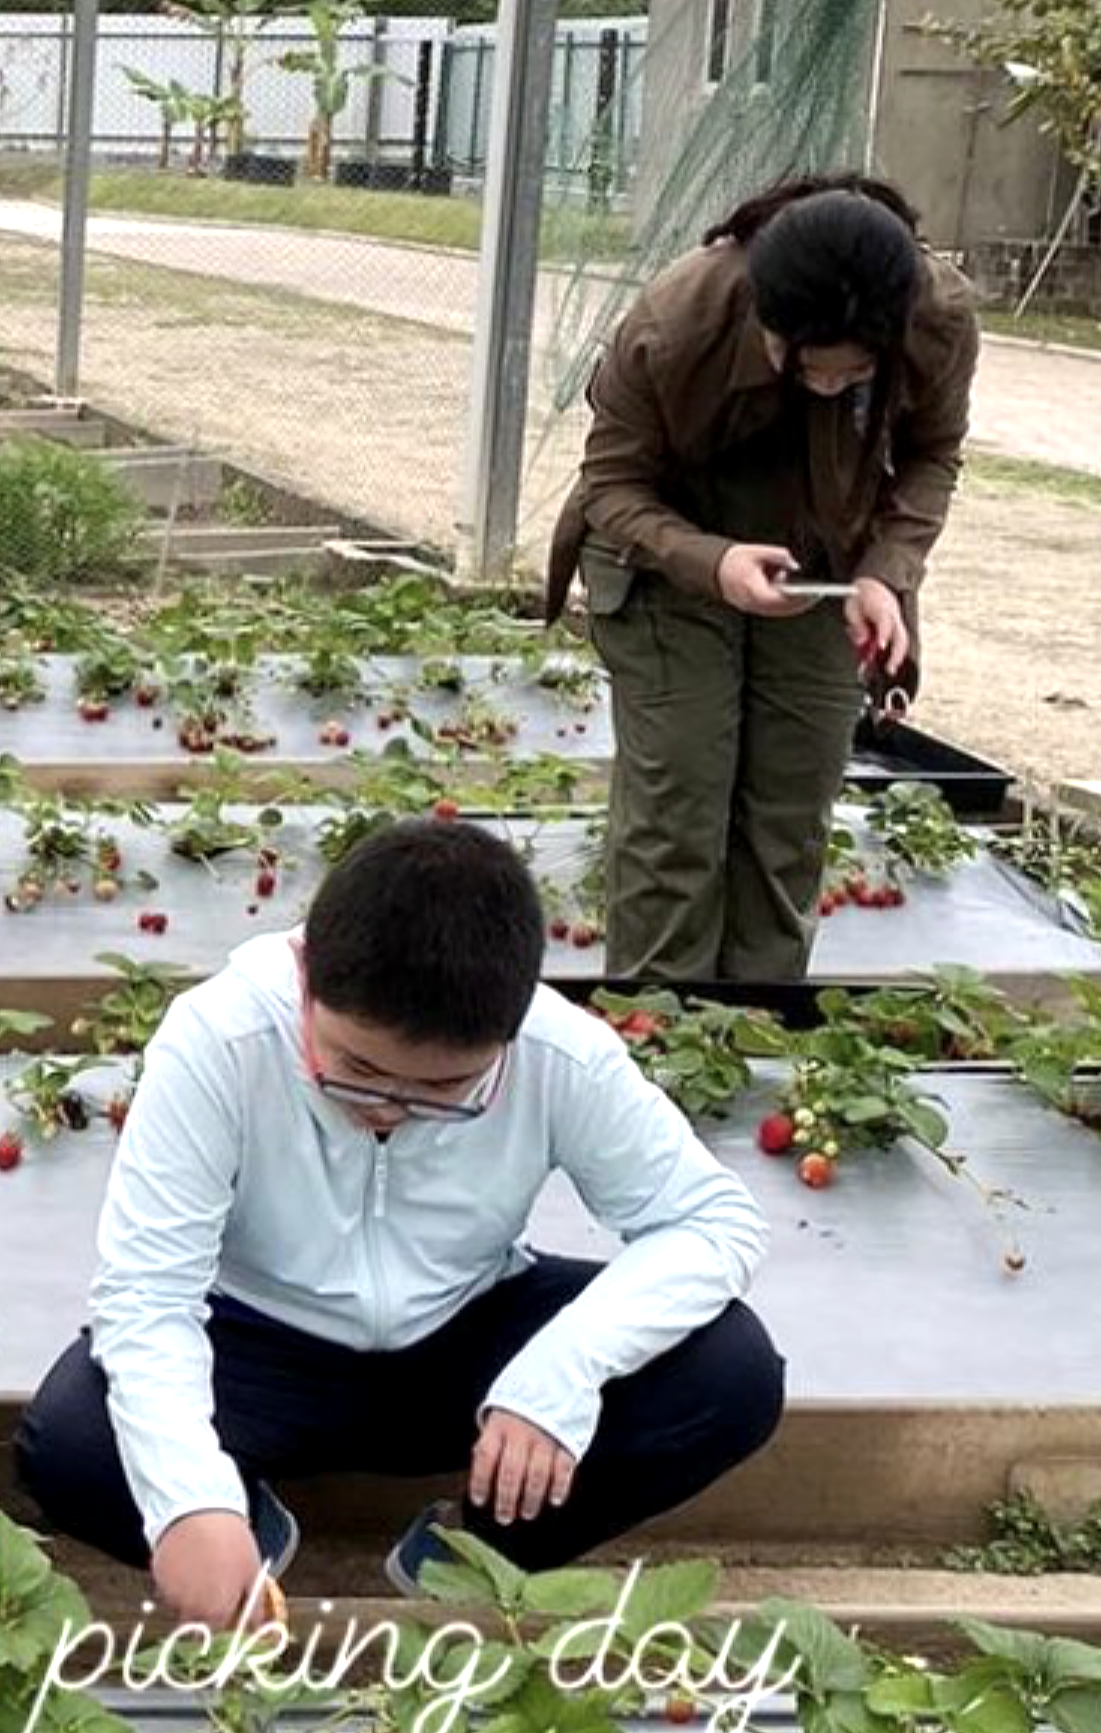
(520, 1465)
(205, 1567)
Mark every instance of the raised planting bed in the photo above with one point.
(920, 1369)
(888, 1286)
(79, 884)
(48, 954)
(169, 716)
(896, 752)
(66, 907)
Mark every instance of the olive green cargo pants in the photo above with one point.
(732, 736)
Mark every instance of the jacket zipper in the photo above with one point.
(378, 1181)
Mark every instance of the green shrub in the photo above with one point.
(65, 518)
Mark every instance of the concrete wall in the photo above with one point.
(936, 125)
(938, 135)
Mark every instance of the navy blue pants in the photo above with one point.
(289, 1404)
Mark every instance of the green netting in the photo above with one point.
(794, 96)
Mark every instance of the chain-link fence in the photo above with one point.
(285, 217)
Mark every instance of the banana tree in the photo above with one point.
(174, 102)
(332, 83)
(208, 114)
(237, 24)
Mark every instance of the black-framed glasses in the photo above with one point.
(420, 1106)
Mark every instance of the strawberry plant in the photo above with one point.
(47, 623)
(110, 670)
(573, 679)
(851, 878)
(519, 784)
(205, 831)
(1062, 852)
(848, 1094)
(340, 833)
(40, 1610)
(956, 1014)
(478, 726)
(919, 829)
(213, 705)
(697, 1051)
(220, 626)
(19, 681)
(127, 1016)
(1060, 1058)
(65, 838)
(326, 671)
(43, 1093)
(442, 674)
(15, 1026)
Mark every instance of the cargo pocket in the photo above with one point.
(607, 576)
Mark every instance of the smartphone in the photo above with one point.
(810, 587)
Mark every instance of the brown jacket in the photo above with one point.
(693, 444)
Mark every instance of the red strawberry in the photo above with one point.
(447, 810)
(679, 1711)
(117, 1109)
(146, 696)
(559, 928)
(150, 921)
(640, 1026)
(826, 904)
(776, 1133)
(94, 709)
(816, 1170)
(583, 934)
(266, 882)
(11, 1150)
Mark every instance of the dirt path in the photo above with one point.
(369, 413)
(1029, 402)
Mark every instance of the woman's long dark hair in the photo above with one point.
(744, 222)
(834, 259)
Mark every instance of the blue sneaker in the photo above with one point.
(418, 1544)
(274, 1527)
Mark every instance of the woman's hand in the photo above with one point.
(872, 613)
(750, 578)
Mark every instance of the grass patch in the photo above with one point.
(171, 299)
(568, 235)
(1026, 475)
(1077, 329)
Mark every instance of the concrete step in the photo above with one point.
(66, 426)
(169, 479)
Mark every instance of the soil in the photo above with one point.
(368, 413)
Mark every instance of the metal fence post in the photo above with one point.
(507, 281)
(78, 168)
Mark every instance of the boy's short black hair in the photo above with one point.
(433, 929)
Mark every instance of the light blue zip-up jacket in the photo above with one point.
(235, 1173)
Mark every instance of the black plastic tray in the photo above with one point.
(895, 752)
